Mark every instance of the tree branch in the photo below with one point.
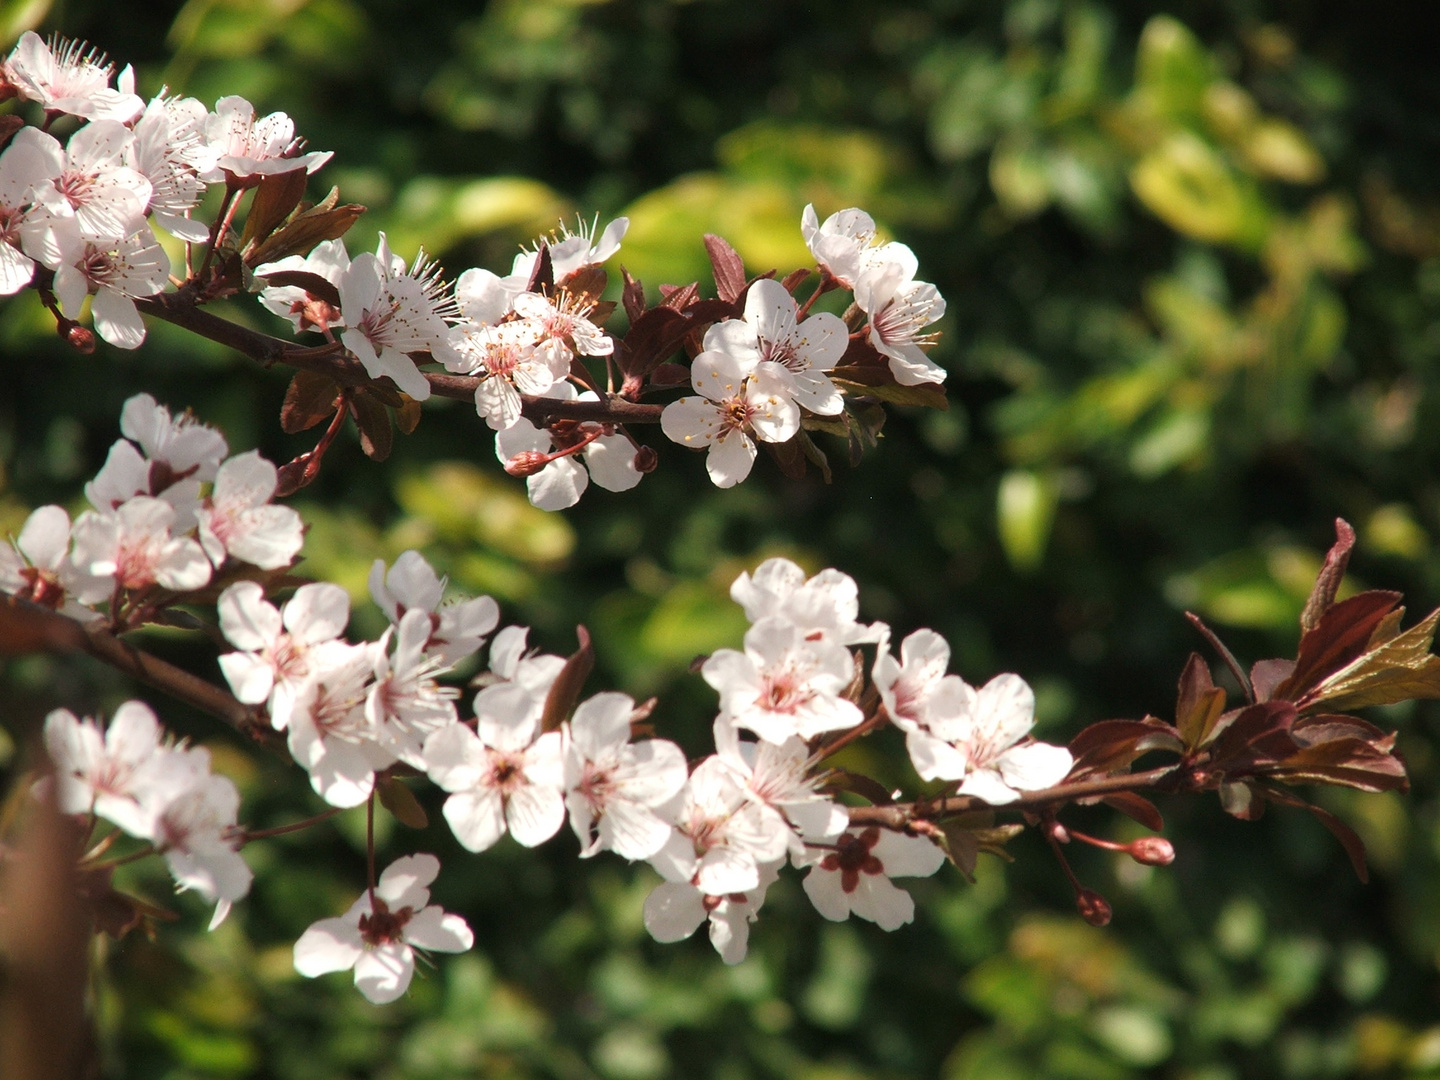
(900, 815)
(27, 627)
(182, 309)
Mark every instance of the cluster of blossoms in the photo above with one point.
(83, 210)
(755, 375)
(170, 512)
(132, 776)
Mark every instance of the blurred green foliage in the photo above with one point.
(1192, 257)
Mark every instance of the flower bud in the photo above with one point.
(1093, 907)
(1152, 851)
(527, 463)
(646, 460)
(80, 338)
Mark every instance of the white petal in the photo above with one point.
(329, 945)
(673, 911)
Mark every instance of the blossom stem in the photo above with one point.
(245, 836)
(876, 720)
(134, 856)
(370, 845)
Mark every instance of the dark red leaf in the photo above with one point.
(632, 296)
(790, 456)
(729, 268)
(542, 276)
(1349, 839)
(276, 198)
(1256, 734)
(565, 690)
(1137, 807)
(1331, 574)
(1266, 675)
(373, 420)
(679, 297)
(1112, 745)
(792, 280)
(303, 231)
(872, 791)
(587, 282)
(314, 284)
(1198, 704)
(1341, 635)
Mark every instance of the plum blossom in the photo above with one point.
(195, 832)
(737, 400)
(511, 663)
(169, 151)
(123, 775)
(984, 731)
(278, 648)
(561, 326)
(511, 363)
(844, 244)
(721, 837)
(506, 776)
(770, 332)
(331, 734)
(239, 520)
(900, 308)
(675, 910)
(328, 260)
(69, 77)
(90, 189)
(855, 876)
(561, 480)
(118, 274)
(456, 630)
(405, 704)
(37, 567)
(390, 312)
(572, 251)
(780, 779)
(26, 167)
(244, 147)
(824, 605)
(784, 683)
(132, 548)
(615, 788)
(378, 936)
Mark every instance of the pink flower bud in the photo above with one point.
(1093, 907)
(1152, 851)
(646, 460)
(527, 463)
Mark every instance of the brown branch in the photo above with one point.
(28, 627)
(900, 815)
(182, 309)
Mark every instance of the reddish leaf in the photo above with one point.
(1322, 596)
(1399, 668)
(373, 420)
(1349, 839)
(1266, 675)
(872, 791)
(314, 284)
(790, 456)
(587, 282)
(302, 232)
(1349, 762)
(814, 455)
(729, 268)
(1199, 703)
(1313, 730)
(542, 276)
(276, 198)
(9, 125)
(679, 297)
(396, 797)
(565, 690)
(1112, 745)
(1339, 637)
(407, 417)
(633, 296)
(1256, 734)
(1136, 807)
(792, 280)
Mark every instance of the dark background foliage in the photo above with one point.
(1192, 258)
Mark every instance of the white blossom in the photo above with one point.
(736, 402)
(245, 147)
(784, 683)
(675, 910)
(900, 308)
(781, 779)
(37, 566)
(456, 630)
(824, 605)
(195, 833)
(505, 775)
(68, 77)
(613, 787)
(378, 936)
(118, 274)
(132, 548)
(168, 149)
(845, 244)
(855, 876)
(609, 460)
(405, 704)
(239, 520)
(770, 332)
(331, 734)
